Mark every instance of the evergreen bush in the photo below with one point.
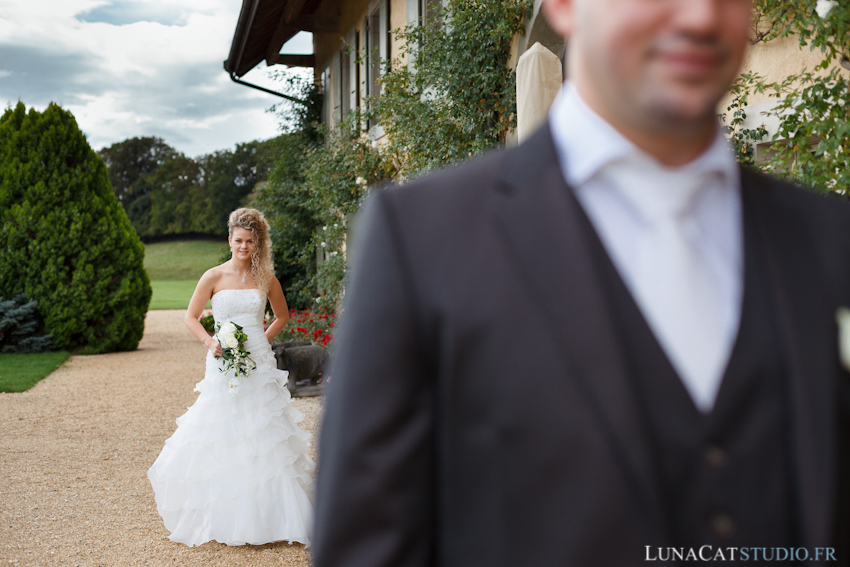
(21, 327)
(65, 240)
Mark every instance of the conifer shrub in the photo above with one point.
(65, 240)
(21, 327)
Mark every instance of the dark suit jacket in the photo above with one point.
(479, 411)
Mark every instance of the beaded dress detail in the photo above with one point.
(236, 469)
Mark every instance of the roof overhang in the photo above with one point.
(265, 25)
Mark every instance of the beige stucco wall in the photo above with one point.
(774, 60)
(398, 20)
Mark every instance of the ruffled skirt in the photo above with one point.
(237, 470)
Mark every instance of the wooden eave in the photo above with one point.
(265, 25)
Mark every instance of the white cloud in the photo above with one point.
(134, 68)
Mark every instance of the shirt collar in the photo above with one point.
(586, 143)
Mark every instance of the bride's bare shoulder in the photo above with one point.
(212, 276)
(217, 271)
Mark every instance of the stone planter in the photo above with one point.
(306, 363)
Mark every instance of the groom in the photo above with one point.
(608, 346)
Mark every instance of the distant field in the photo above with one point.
(175, 268)
(183, 259)
(172, 294)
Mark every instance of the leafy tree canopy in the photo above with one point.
(166, 193)
(131, 162)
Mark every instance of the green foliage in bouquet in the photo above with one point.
(21, 327)
(65, 240)
(232, 339)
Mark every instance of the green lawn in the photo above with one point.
(20, 372)
(172, 294)
(175, 268)
(183, 259)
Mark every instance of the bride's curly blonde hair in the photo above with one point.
(262, 265)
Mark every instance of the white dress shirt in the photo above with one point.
(596, 159)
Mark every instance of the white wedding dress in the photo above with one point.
(237, 470)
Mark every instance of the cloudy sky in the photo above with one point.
(130, 68)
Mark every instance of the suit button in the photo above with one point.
(723, 526)
(716, 457)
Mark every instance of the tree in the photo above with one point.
(65, 240)
(230, 176)
(179, 203)
(166, 193)
(812, 106)
(131, 162)
(131, 165)
(285, 201)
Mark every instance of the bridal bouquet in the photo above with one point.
(232, 339)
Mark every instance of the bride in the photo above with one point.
(237, 470)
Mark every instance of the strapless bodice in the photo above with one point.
(241, 306)
(246, 308)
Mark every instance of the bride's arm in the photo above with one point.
(279, 308)
(202, 294)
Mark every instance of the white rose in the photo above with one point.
(227, 330)
(233, 385)
(843, 318)
(824, 7)
(231, 342)
(360, 181)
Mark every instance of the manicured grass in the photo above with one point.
(20, 372)
(183, 259)
(175, 268)
(172, 294)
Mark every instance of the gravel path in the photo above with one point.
(74, 454)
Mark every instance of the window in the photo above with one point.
(345, 82)
(388, 56)
(357, 68)
(427, 10)
(372, 55)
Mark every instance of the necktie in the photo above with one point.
(672, 282)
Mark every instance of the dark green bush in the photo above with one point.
(65, 241)
(21, 327)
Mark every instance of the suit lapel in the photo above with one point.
(537, 219)
(801, 310)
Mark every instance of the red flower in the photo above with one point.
(301, 329)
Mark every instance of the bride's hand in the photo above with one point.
(214, 347)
